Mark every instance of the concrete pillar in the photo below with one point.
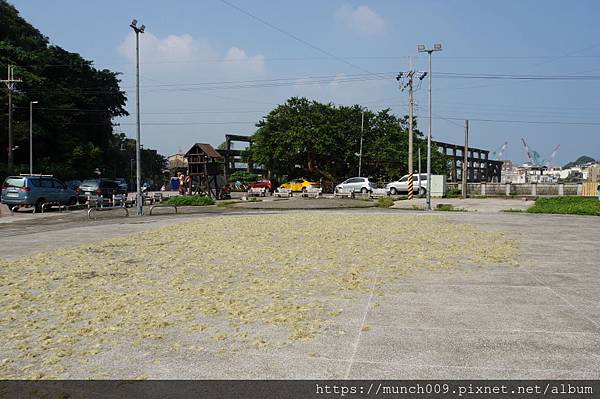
(507, 189)
(534, 188)
(561, 189)
(579, 189)
(483, 188)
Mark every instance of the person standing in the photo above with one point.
(181, 187)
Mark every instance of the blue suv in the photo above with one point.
(35, 190)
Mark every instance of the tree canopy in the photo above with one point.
(73, 129)
(312, 139)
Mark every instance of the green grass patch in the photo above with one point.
(567, 205)
(448, 208)
(454, 193)
(190, 200)
(385, 202)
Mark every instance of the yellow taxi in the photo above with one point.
(299, 184)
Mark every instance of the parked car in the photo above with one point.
(356, 184)
(35, 190)
(122, 183)
(299, 184)
(104, 187)
(262, 183)
(401, 186)
(73, 184)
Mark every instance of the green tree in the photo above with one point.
(308, 138)
(73, 129)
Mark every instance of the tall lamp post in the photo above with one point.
(423, 49)
(31, 136)
(362, 129)
(138, 164)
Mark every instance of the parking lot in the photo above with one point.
(283, 301)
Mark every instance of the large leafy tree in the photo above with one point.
(73, 129)
(308, 138)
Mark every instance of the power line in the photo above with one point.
(373, 57)
(163, 123)
(280, 30)
(517, 77)
(525, 121)
(147, 113)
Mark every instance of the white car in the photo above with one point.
(401, 186)
(355, 185)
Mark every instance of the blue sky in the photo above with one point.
(189, 43)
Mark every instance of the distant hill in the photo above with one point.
(579, 161)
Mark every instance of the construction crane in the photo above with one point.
(500, 151)
(535, 158)
(552, 156)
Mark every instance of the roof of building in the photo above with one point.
(207, 149)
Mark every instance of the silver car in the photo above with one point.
(35, 190)
(355, 185)
(401, 186)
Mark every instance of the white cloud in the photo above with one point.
(238, 57)
(361, 19)
(177, 107)
(173, 55)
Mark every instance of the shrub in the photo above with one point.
(454, 193)
(190, 200)
(385, 202)
(448, 208)
(567, 205)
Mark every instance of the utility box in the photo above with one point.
(439, 186)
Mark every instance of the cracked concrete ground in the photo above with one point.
(539, 320)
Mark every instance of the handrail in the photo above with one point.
(162, 206)
(109, 208)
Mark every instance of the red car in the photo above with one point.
(262, 183)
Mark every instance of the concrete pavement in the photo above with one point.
(538, 320)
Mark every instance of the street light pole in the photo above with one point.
(421, 48)
(138, 164)
(362, 128)
(31, 136)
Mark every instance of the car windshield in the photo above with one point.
(89, 183)
(14, 182)
(404, 178)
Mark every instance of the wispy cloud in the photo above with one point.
(361, 19)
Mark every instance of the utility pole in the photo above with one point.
(362, 129)
(31, 136)
(421, 49)
(409, 76)
(419, 151)
(10, 85)
(139, 202)
(465, 164)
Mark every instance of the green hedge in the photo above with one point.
(190, 200)
(567, 205)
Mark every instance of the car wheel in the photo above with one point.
(72, 201)
(364, 190)
(393, 191)
(38, 205)
(422, 191)
(303, 189)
